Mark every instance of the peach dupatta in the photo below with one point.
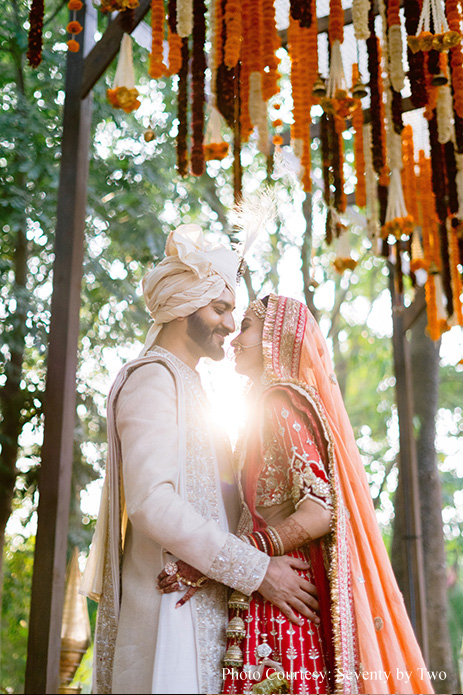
(365, 594)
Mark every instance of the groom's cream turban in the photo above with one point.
(193, 273)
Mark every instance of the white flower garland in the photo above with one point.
(444, 114)
(184, 18)
(459, 183)
(371, 181)
(258, 111)
(396, 66)
(336, 79)
(125, 76)
(360, 10)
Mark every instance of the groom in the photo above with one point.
(167, 504)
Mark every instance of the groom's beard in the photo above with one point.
(199, 331)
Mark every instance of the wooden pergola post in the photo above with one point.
(42, 670)
(415, 595)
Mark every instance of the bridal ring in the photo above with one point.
(171, 568)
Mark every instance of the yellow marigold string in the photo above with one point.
(357, 124)
(233, 32)
(457, 288)
(157, 68)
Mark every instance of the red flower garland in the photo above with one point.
(198, 68)
(412, 9)
(182, 111)
(34, 50)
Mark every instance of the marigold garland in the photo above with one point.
(412, 9)
(107, 6)
(198, 68)
(455, 261)
(182, 111)
(456, 56)
(234, 29)
(360, 10)
(357, 124)
(408, 172)
(173, 39)
(123, 98)
(377, 110)
(157, 68)
(301, 11)
(185, 13)
(271, 43)
(34, 48)
(451, 171)
(336, 22)
(245, 71)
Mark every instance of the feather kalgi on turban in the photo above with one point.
(192, 274)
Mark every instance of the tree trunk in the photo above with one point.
(425, 374)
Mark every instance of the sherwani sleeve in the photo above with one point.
(146, 417)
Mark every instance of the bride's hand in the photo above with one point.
(185, 576)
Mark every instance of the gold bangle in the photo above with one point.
(276, 537)
(197, 585)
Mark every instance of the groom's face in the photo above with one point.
(208, 327)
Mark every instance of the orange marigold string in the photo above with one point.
(233, 32)
(393, 12)
(157, 68)
(336, 22)
(357, 124)
(454, 19)
(271, 43)
(245, 71)
(408, 172)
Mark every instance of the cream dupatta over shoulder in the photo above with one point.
(162, 493)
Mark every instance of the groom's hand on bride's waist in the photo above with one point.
(290, 592)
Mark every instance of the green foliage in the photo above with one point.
(17, 580)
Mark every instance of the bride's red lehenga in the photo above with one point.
(284, 465)
(300, 445)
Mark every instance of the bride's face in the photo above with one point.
(248, 346)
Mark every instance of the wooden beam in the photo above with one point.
(408, 469)
(107, 48)
(48, 584)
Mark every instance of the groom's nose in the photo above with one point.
(229, 322)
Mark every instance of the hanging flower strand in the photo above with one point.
(184, 17)
(124, 94)
(74, 27)
(456, 57)
(173, 39)
(233, 31)
(34, 49)
(157, 68)
(357, 124)
(198, 68)
(360, 10)
(394, 38)
(433, 16)
(182, 111)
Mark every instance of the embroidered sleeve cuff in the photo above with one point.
(239, 565)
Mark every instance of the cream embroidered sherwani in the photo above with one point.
(176, 505)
